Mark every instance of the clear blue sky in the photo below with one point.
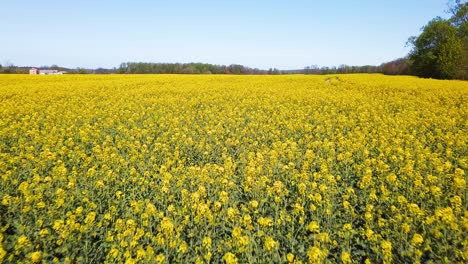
(275, 33)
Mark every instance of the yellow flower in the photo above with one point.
(36, 257)
(387, 251)
(391, 178)
(118, 194)
(346, 257)
(140, 254)
(253, 204)
(223, 196)
(59, 202)
(346, 205)
(231, 212)
(316, 255)
(108, 216)
(347, 227)
(406, 227)
(167, 226)
(130, 261)
(113, 253)
(90, 218)
(459, 182)
(130, 224)
(313, 227)
(150, 251)
(6, 200)
(369, 233)
(151, 209)
(247, 220)
(323, 237)
(22, 241)
(265, 221)
(206, 243)
(44, 232)
(270, 244)
(236, 232)
(2, 253)
(160, 258)
(183, 247)
(100, 184)
(230, 258)
(79, 210)
(417, 240)
(207, 256)
(243, 241)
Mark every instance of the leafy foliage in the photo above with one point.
(438, 51)
(441, 51)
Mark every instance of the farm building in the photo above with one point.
(45, 72)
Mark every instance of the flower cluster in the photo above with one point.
(234, 169)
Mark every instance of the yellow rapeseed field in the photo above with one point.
(234, 169)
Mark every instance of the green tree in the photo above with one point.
(459, 19)
(438, 51)
(459, 11)
(81, 70)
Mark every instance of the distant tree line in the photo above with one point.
(396, 67)
(10, 68)
(189, 68)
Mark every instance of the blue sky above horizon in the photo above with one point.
(263, 34)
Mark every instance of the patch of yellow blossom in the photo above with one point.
(233, 169)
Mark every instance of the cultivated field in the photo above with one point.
(266, 169)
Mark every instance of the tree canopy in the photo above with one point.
(441, 51)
